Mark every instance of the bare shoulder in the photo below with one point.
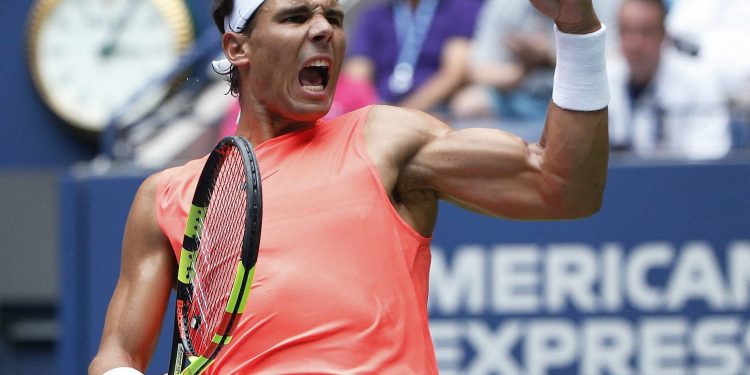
(397, 134)
(151, 183)
(142, 223)
(392, 118)
(147, 192)
(148, 189)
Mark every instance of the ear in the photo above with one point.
(235, 48)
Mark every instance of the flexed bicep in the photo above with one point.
(488, 171)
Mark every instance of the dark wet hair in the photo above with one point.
(221, 9)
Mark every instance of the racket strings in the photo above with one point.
(220, 243)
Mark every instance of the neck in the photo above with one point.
(644, 74)
(643, 79)
(640, 81)
(258, 124)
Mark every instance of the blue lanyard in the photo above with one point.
(411, 32)
(412, 28)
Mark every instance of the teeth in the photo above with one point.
(318, 63)
(314, 88)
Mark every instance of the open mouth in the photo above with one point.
(314, 76)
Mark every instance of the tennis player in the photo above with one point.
(350, 204)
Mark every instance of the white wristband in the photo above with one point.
(123, 371)
(581, 72)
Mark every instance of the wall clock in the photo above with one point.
(90, 57)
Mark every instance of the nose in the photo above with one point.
(320, 30)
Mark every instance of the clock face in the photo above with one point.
(90, 57)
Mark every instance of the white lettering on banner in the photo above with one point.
(657, 345)
(515, 280)
(549, 344)
(655, 308)
(739, 273)
(608, 344)
(464, 282)
(611, 284)
(696, 276)
(571, 275)
(712, 340)
(448, 346)
(663, 348)
(531, 279)
(642, 260)
(493, 349)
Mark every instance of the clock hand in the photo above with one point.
(115, 31)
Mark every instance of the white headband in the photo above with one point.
(236, 21)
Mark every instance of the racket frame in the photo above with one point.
(245, 269)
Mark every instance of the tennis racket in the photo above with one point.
(218, 256)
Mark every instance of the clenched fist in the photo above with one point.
(571, 16)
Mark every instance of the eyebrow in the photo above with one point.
(301, 9)
(337, 13)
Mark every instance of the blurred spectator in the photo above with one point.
(664, 103)
(607, 11)
(351, 94)
(512, 63)
(718, 32)
(414, 52)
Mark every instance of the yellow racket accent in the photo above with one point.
(195, 364)
(195, 217)
(184, 274)
(237, 287)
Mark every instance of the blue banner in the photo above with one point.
(656, 283)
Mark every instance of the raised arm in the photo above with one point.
(500, 174)
(136, 311)
(492, 171)
(495, 172)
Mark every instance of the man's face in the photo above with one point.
(641, 37)
(296, 50)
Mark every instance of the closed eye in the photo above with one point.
(301, 14)
(335, 17)
(296, 19)
(296, 14)
(334, 21)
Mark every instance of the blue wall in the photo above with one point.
(652, 271)
(25, 121)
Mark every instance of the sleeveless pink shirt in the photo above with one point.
(341, 280)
